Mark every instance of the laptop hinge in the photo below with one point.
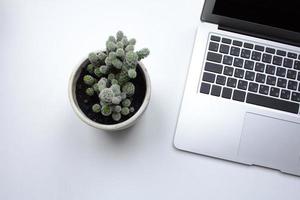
(258, 35)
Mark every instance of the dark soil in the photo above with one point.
(85, 102)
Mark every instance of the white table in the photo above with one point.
(46, 152)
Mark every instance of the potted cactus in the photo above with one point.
(110, 89)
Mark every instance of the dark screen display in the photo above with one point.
(284, 14)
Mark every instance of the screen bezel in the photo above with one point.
(263, 31)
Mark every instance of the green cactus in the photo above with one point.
(125, 111)
(120, 35)
(96, 88)
(89, 80)
(116, 116)
(96, 108)
(117, 109)
(112, 39)
(106, 110)
(106, 95)
(104, 69)
(122, 77)
(126, 102)
(131, 58)
(131, 109)
(117, 63)
(93, 58)
(101, 55)
(116, 100)
(128, 88)
(109, 74)
(120, 53)
(132, 73)
(97, 72)
(143, 53)
(132, 41)
(120, 45)
(114, 82)
(129, 48)
(90, 91)
(110, 46)
(90, 68)
(125, 41)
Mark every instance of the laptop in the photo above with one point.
(242, 93)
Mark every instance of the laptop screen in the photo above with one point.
(283, 14)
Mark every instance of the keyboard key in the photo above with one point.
(291, 74)
(260, 78)
(226, 93)
(213, 46)
(281, 82)
(239, 73)
(237, 43)
(292, 85)
(270, 69)
(281, 53)
(215, 57)
(274, 92)
(280, 71)
(298, 78)
(208, 77)
(205, 88)
(256, 55)
(228, 71)
(270, 50)
(270, 102)
(285, 94)
(292, 55)
(249, 64)
(288, 63)
(253, 87)
(249, 75)
(239, 95)
(231, 82)
(245, 53)
(221, 80)
(224, 48)
(227, 60)
(277, 60)
(267, 58)
(297, 65)
(242, 85)
(296, 96)
(226, 40)
(259, 48)
(215, 38)
(238, 62)
(216, 90)
(259, 67)
(248, 45)
(271, 80)
(213, 67)
(264, 89)
(235, 51)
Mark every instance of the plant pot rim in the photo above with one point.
(109, 127)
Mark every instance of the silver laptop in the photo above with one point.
(242, 94)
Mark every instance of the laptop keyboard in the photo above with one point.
(252, 73)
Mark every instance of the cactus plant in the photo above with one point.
(109, 76)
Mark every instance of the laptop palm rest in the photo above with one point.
(265, 143)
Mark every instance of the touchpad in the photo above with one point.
(270, 142)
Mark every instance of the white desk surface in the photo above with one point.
(46, 152)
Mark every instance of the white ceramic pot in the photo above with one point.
(111, 127)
